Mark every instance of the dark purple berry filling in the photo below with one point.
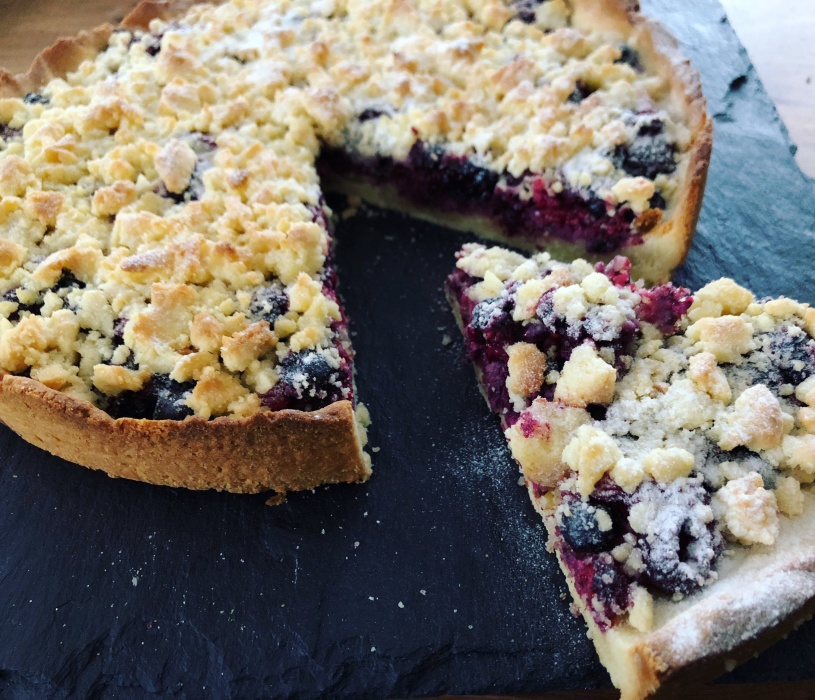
(525, 208)
(203, 145)
(489, 329)
(678, 553)
(630, 57)
(36, 98)
(64, 284)
(581, 92)
(161, 398)
(308, 382)
(664, 306)
(649, 154)
(8, 133)
(268, 303)
(525, 10)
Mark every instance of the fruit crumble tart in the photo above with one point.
(168, 305)
(668, 441)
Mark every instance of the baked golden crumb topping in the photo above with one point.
(161, 214)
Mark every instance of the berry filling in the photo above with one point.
(526, 208)
(489, 329)
(160, 398)
(661, 537)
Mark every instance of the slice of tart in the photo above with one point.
(668, 441)
(169, 308)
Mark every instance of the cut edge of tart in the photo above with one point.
(253, 459)
(664, 241)
(668, 442)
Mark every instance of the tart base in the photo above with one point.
(280, 451)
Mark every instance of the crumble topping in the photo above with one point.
(149, 195)
(681, 427)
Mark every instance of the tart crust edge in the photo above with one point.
(281, 451)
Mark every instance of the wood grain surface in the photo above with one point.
(779, 36)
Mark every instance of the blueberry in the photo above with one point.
(170, 396)
(596, 207)
(629, 56)
(486, 313)
(580, 527)
(581, 92)
(309, 373)
(268, 303)
(36, 98)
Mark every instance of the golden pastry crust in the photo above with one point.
(279, 451)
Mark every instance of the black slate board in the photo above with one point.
(431, 578)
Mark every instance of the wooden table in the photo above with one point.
(780, 41)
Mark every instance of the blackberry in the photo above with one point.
(649, 154)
